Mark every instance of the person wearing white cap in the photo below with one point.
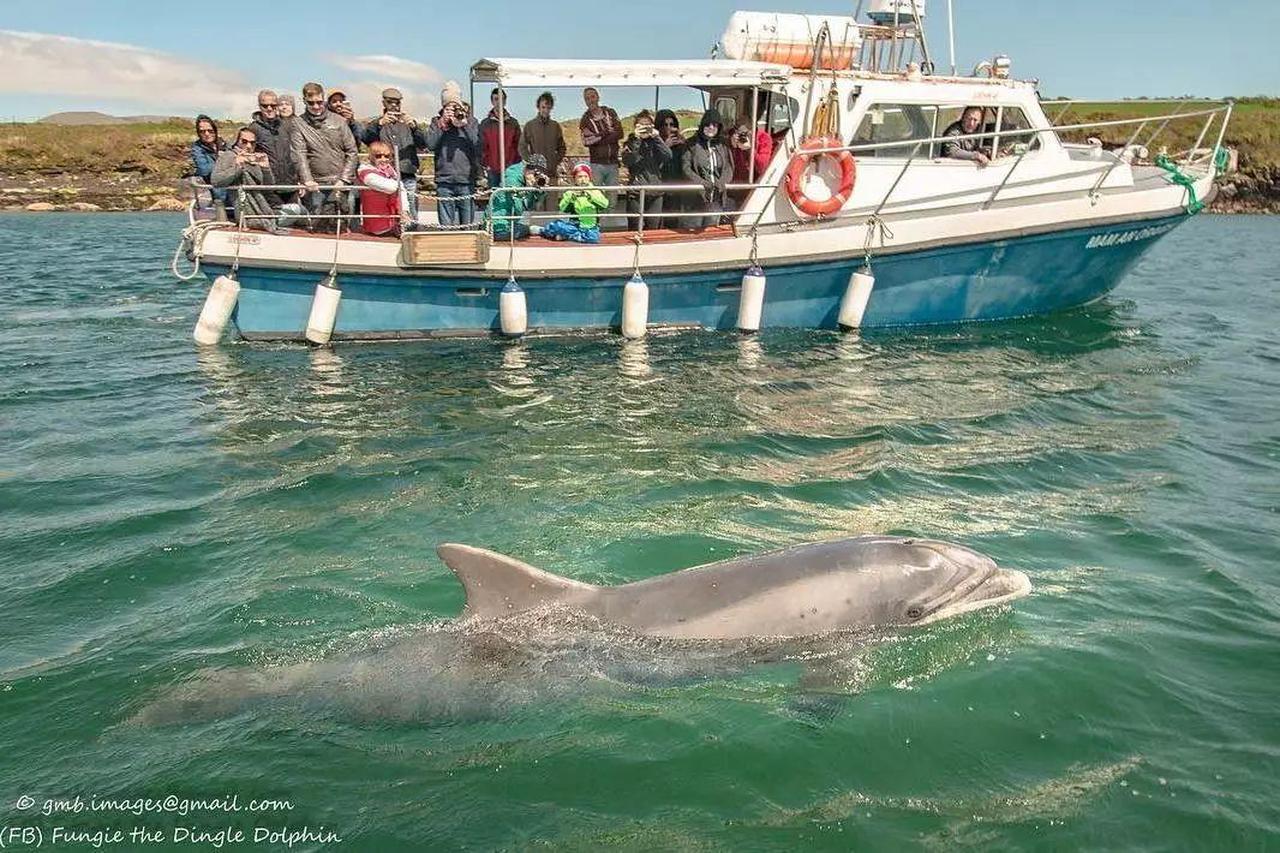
(454, 139)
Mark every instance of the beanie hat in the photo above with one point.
(582, 168)
(451, 93)
(536, 161)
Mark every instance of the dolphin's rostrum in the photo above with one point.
(847, 584)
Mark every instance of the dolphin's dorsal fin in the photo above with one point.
(499, 586)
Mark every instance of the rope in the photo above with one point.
(1221, 159)
(1177, 176)
(638, 240)
(193, 235)
(754, 257)
(875, 225)
(337, 243)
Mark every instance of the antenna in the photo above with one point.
(951, 35)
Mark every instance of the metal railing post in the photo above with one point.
(1200, 139)
(898, 180)
(1118, 160)
(990, 201)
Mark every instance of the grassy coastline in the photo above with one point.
(137, 166)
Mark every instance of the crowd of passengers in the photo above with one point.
(318, 149)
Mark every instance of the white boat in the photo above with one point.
(920, 238)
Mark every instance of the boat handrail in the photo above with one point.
(987, 134)
(641, 216)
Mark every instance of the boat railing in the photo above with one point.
(744, 193)
(1192, 157)
(641, 192)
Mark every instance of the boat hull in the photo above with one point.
(987, 280)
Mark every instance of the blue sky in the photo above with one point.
(212, 56)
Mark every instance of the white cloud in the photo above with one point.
(384, 67)
(47, 64)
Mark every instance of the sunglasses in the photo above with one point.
(203, 130)
(316, 101)
(268, 106)
(382, 156)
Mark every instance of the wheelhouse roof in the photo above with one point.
(551, 73)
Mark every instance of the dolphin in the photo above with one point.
(529, 636)
(863, 583)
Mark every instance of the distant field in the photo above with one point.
(119, 165)
(1254, 129)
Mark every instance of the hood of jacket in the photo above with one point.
(710, 117)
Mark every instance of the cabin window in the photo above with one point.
(1012, 120)
(1005, 118)
(728, 108)
(895, 123)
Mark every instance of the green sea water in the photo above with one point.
(171, 518)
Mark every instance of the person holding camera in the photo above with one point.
(341, 107)
(405, 136)
(454, 139)
(585, 203)
(508, 208)
(749, 157)
(668, 125)
(707, 161)
(243, 165)
(646, 157)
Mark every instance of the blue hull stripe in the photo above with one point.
(981, 281)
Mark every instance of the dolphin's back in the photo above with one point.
(806, 589)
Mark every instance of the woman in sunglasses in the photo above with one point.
(381, 194)
(204, 155)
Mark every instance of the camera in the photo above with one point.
(742, 137)
(540, 180)
(646, 131)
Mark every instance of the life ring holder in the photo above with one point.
(800, 163)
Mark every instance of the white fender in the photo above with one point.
(853, 305)
(635, 308)
(751, 300)
(324, 311)
(513, 310)
(217, 309)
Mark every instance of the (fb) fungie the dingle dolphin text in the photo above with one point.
(848, 584)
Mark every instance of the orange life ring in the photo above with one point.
(800, 163)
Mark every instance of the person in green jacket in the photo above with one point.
(507, 208)
(586, 203)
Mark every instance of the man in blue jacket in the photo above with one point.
(454, 139)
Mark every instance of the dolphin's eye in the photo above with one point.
(914, 612)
